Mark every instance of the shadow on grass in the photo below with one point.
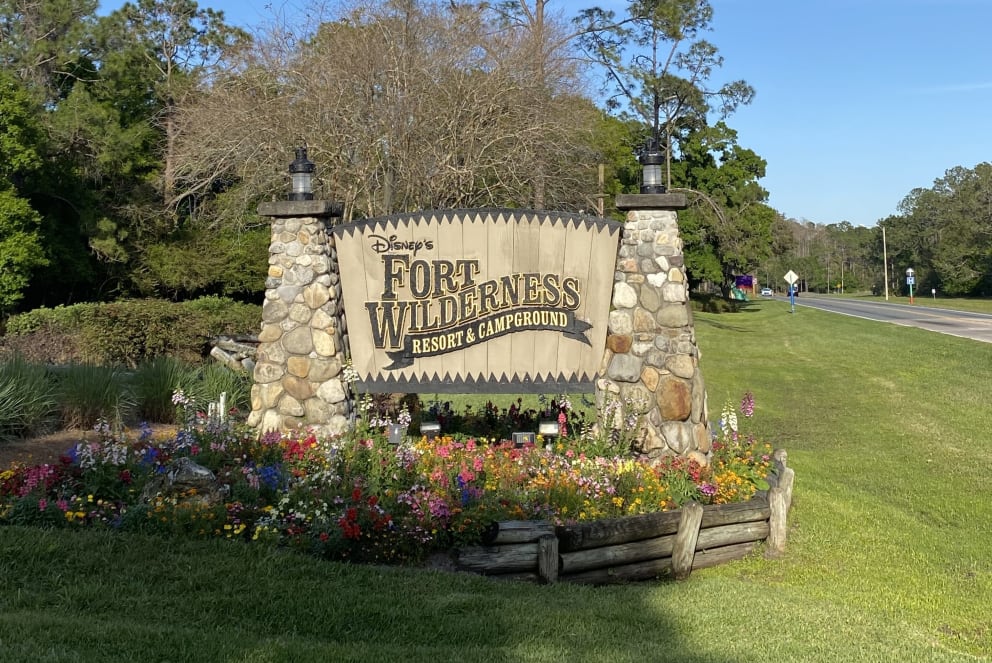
(169, 599)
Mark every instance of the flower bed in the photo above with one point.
(358, 497)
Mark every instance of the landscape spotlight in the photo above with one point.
(651, 159)
(301, 171)
(549, 429)
(430, 429)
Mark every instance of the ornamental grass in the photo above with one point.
(356, 496)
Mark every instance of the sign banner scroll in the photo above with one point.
(482, 300)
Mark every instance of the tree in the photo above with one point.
(665, 80)
(20, 245)
(727, 229)
(405, 105)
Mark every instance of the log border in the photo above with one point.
(644, 547)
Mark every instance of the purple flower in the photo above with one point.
(747, 404)
(707, 489)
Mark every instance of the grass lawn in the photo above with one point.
(889, 557)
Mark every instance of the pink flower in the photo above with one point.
(42, 504)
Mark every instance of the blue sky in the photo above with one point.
(858, 101)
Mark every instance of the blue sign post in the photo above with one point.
(910, 281)
(791, 277)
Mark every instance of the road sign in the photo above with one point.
(910, 280)
(791, 277)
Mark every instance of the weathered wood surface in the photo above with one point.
(547, 558)
(739, 512)
(780, 499)
(714, 537)
(646, 570)
(614, 531)
(516, 531)
(704, 559)
(498, 559)
(624, 553)
(684, 546)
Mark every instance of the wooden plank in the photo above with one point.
(684, 547)
(526, 258)
(552, 261)
(705, 559)
(647, 570)
(617, 555)
(447, 237)
(351, 255)
(715, 537)
(572, 353)
(738, 512)
(499, 248)
(613, 531)
(602, 264)
(475, 241)
(547, 558)
(498, 559)
(516, 531)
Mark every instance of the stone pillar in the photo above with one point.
(302, 343)
(651, 363)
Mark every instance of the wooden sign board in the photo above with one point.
(489, 300)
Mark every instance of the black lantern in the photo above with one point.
(651, 159)
(301, 171)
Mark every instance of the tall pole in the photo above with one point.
(885, 264)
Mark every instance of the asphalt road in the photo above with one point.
(976, 326)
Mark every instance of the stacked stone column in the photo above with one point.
(651, 363)
(298, 373)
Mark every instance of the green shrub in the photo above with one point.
(88, 393)
(128, 332)
(153, 384)
(213, 379)
(64, 319)
(27, 399)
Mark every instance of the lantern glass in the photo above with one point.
(301, 174)
(302, 184)
(652, 175)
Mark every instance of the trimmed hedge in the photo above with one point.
(129, 331)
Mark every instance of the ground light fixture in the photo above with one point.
(430, 429)
(301, 172)
(651, 159)
(549, 429)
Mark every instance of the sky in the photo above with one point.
(858, 102)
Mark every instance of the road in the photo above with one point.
(976, 326)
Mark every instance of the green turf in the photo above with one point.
(888, 558)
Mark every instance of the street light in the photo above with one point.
(301, 172)
(910, 281)
(651, 159)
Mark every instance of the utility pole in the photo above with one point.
(885, 264)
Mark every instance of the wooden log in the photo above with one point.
(516, 531)
(547, 558)
(647, 570)
(737, 512)
(613, 531)
(498, 559)
(620, 554)
(726, 535)
(225, 358)
(521, 576)
(779, 499)
(684, 547)
(704, 559)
